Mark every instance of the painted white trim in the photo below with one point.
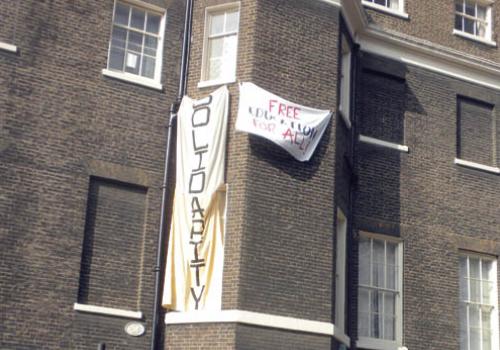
(473, 165)
(431, 57)
(136, 315)
(257, 319)
(377, 142)
(132, 78)
(145, 5)
(332, 2)
(376, 344)
(397, 13)
(474, 37)
(204, 55)
(209, 83)
(8, 47)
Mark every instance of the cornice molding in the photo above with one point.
(415, 51)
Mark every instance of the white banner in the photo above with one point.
(296, 128)
(193, 276)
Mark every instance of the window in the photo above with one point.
(340, 275)
(379, 293)
(394, 7)
(473, 18)
(476, 134)
(221, 41)
(345, 82)
(478, 303)
(135, 49)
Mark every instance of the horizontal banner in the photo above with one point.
(296, 128)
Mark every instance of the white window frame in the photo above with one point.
(204, 82)
(383, 344)
(345, 81)
(340, 271)
(494, 319)
(154, 83)
(487, 39)
(399, 12)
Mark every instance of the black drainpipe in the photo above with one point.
(174, 107)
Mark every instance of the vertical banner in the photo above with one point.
(193, 276)
(297, 129)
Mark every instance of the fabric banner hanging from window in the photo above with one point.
(297, 129)
(193, 276)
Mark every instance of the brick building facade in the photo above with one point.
(388, 238)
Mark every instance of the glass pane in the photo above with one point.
(481, 29)
(378, 251)
(470, 9)
(463, 326)
(481, 12)
(468, 26)
(230, 43)
(487, 270)
(135, 41)
(458, 22)
(132, 63)
(392, 277)
(389, 327)
(380, 2)
(390, 304)
(486, 339)
(116, 58)
(364, 261)
(391, 254)
(473, 316)
(137, 19)
(363, 312)
(464, 287)
(459, 6)
(475, 291)
(378, 275)
(474, 268)
(214, 69)
(148, 67)
(216, 24)
(216, 47)
(232, 21)
(121, 14)
(376, 325)
(475, 339)
(118, 37)
(153, 25)
(150, 45)
(376, 302)
(487, 293)
(363, 324)
(486, 319)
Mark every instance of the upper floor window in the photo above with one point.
(221, 42)
(478, 303)
(473, 18)
(379, 292)
(395, 7)
(135, 48)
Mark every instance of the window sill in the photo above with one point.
(345, 118)
(133, 79)
(377, 344)
(477, 166)
(387, 10)
(474, 38)
(209, 83)
(381, 143)
(8, 47)
(108, 311)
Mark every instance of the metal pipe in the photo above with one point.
(160, 252)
